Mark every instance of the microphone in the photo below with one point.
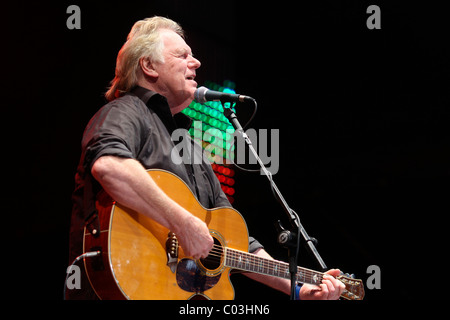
(203, 94)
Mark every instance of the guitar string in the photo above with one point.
(236, 256)
(272, 266)
(233, 258)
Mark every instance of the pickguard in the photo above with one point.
(192, 279)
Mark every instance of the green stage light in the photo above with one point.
(216, 132)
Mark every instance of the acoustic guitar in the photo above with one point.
(141, 259)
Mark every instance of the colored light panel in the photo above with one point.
(217, 134)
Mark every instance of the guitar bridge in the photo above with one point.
(172, 251)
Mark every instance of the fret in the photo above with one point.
(277, 269)
(286, 274)
(301, 276)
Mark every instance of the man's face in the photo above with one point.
(176, 75)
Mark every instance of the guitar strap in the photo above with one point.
(92, 222)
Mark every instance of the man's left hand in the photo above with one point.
(329, 289)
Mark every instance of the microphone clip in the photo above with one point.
(286, 238)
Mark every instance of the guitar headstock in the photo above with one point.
(354, 288)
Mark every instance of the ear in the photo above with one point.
(148, 68)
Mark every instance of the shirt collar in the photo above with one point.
(159, 105)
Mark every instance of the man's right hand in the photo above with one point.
(194, 237)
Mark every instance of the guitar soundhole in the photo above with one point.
(214, 260)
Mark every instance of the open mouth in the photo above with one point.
(190, 78)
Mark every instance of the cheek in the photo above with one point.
(175, 79)
(178, 72)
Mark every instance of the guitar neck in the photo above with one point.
(249, 262)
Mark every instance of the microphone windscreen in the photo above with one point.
(199, 94)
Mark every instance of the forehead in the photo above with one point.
(173, 42)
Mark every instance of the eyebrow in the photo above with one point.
(183, 51)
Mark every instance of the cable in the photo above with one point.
(81, 256)
(255, 109)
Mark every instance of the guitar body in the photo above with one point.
(135, 249)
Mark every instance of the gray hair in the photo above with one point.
(142, 41)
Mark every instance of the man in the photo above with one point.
(155, 80)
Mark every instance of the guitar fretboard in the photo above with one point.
(249, 262)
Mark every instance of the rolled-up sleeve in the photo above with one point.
(114, 130)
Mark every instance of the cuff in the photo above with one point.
(297, 291)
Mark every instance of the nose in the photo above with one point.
(194, 63)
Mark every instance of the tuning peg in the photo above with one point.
(352, 276)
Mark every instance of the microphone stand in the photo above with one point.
(289, 239)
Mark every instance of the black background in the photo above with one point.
(363, 118)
